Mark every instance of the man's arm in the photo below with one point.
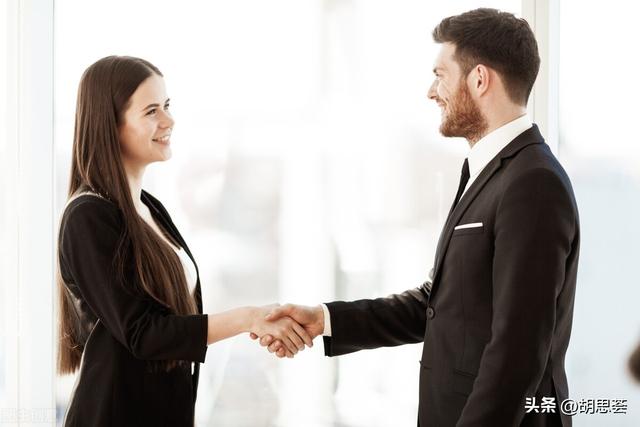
(363, 324)
(382, 322)
(534, 234)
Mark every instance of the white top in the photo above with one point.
(480, 155)
(190, 272)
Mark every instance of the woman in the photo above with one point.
(130, 302)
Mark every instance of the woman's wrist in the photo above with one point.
(251, 315)
(232, 322)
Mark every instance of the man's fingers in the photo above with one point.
(302, 333)
(297, 341)
(290, 345)
(279, 312)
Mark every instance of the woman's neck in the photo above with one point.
(134, 178)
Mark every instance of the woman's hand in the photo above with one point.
(289, 332)
(311, 318)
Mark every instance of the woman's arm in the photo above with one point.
(252, 319)
(90, 234)
(89, 240)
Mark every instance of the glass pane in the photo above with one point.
(307, 167)
(599, 148)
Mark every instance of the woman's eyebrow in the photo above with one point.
(155, 105)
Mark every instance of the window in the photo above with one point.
(599, 148)
(26, 212)
(307, 167)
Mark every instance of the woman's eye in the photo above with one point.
(152, 111)
(166, 107)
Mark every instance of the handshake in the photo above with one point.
(285, 329)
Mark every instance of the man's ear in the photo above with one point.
(480, 78)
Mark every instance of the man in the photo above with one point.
(495, 315)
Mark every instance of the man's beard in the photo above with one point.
(464, 118)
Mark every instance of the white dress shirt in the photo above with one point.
(190, 272)
(491, 144)
(480, 154)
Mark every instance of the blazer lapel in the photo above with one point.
(160, 214)
(530, 136)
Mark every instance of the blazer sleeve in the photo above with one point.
(89, 240)
(372, 323)
(535, 229)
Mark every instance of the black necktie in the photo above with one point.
(464, 178)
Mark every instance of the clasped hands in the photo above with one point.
(285, 329)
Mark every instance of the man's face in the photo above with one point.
(461, 116)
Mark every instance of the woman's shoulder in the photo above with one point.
(87, 205)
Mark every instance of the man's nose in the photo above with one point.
(433, 91)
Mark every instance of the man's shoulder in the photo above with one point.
(535, 159)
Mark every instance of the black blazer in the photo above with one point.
(123, 330)
(496, 318)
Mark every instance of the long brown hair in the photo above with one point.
(103, 97)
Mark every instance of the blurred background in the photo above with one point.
(307, 167)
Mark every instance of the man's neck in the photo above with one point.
(496, 121)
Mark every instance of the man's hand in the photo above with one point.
(291, 336)
(310, 318)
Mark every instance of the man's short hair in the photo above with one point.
(498, 40)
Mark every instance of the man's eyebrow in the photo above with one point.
(155, 105)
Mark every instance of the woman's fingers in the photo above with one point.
(275, 346)
(266, 340)
(279, 349)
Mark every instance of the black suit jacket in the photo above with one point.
(122, 329)
(496, 317)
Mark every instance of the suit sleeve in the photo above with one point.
(89, 241)
(372, 323)
(535, 226)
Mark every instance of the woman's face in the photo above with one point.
(146, 127)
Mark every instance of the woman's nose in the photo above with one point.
(167, 120)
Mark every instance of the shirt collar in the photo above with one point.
(491, 144)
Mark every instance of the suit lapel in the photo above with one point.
(163, 217)
(530, 136)
(460, 209)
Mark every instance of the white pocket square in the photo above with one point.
(470, 225)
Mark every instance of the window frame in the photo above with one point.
(26, 221)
